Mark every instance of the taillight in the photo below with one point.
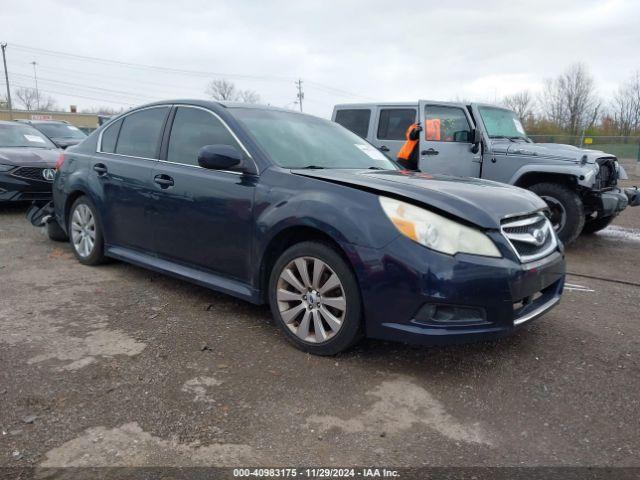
(60, 161)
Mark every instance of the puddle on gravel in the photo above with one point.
(199, 388)
(621, 233)
(130, 446)
(401, 405)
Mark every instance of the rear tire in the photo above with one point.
(567, 209)
(85, 232)
(55, 233)
(315, 299)
(593, 226)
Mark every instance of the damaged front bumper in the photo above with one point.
(613, 201)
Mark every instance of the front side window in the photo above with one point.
(446, 124)
(356, 120)
(394, 122)
(20, 136)
(192, 129)
(140, 133)
(294, 140)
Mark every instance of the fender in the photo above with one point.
(583, 175)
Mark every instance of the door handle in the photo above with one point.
(384, 148)
(430, 151)
(165, 181)
(100, 169)
(494, 159)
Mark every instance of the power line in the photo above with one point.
(67, 94)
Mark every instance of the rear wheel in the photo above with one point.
(567, 211)
(315, 299)
(85, 232)
(597, 224)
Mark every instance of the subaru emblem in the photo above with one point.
(539, 235)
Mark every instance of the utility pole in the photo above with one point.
(3, 45)
(300, 93)
(35, 77)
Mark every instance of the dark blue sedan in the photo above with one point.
(277, 207)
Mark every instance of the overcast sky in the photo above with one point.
(344, 51)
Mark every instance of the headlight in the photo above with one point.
(6, 168)
(437, 232)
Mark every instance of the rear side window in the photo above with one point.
(356, 120)
(109, 137)
(394, 122)
(446, 124)
(140, 133)
(193, 129)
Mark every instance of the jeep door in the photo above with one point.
(391, 126)
(446, 140)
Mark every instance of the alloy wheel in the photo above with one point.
(311, 299)
(83, 230)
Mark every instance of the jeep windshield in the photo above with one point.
(294, 140)
(22, 136)
(502, 123)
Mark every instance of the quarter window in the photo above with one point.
(394, 122)
(356, 120)
(446, 124)
(109, 137)
(140, 133)
(193, 129)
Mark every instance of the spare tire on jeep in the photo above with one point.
(567, 210)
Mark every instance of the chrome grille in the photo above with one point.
(31, 173)
(531, 237)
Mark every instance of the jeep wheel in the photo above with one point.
(567, 210)
(597, 224)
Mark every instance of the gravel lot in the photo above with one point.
(117, 365)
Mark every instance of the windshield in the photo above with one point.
(293, 140)
(23, 136)
(60, 130)
(501, 123)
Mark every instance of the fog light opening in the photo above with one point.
(442, 315)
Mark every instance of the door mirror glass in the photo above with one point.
(219, 157)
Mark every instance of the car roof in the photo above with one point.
(12, 122)
(38, 122)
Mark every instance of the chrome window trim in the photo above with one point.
(235, 137)
(530, 221)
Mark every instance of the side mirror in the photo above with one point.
(219, 157)
(476, 140)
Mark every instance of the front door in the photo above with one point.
(446, 140)
(201, 217)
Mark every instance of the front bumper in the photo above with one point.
(398, 281)
(19, 189)
(616, 200)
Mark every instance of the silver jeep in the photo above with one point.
(486, 141)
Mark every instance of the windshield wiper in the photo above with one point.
(377, 168)
(311, 167)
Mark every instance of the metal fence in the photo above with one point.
(621, 147)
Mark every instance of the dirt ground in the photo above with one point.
(116, 365)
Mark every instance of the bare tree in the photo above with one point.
(625, 106)
(30, 100)
(521, 103)
(570, 100)
(249, 96)
(224, 90)
(102, 110)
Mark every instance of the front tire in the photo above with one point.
(597, 224)
(85, 232)
(315, 299)
(567, 209)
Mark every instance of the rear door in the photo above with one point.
(391, 126)
(128, 152)
(446, 140)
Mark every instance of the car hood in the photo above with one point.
(29, 157)
(554, 151)
(475, 201)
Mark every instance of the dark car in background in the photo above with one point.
(61, 133)
(277, 207)
(27, 163)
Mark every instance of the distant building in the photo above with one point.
(86, 122)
